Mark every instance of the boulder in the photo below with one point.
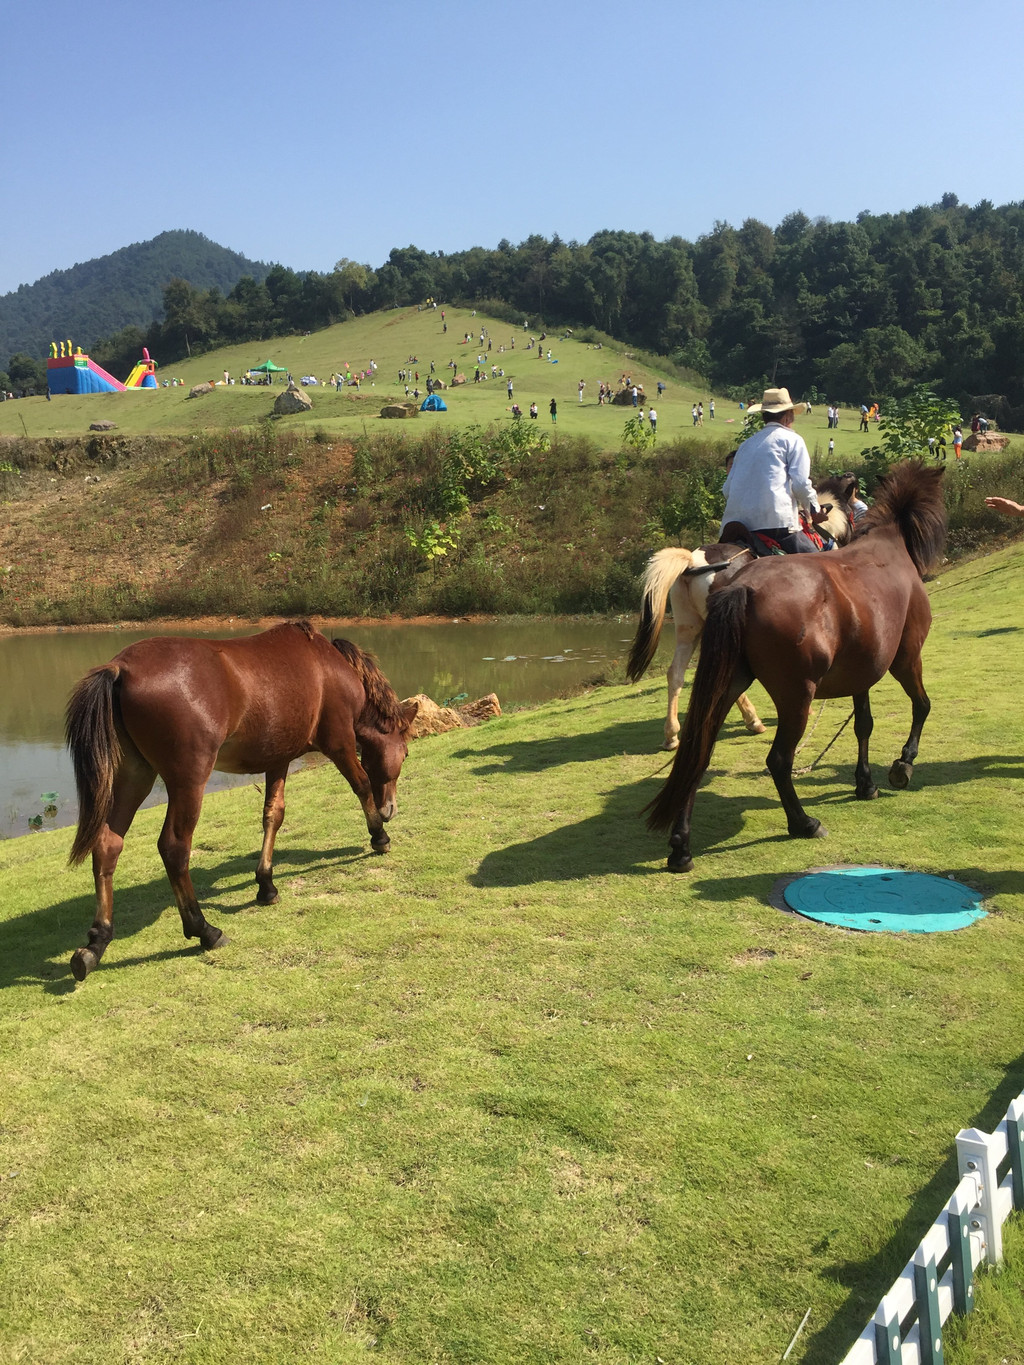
(102, 426)
(197, 390)
(459, 379)
(432, 719)
(400, 410)
(484, 708)
(624, 397)
(292, 400)
(985, 440)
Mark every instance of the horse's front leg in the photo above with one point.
(791, 726)
(346, 760)
(273, 815)
(175, 844)
(863, 724)
(907, 672)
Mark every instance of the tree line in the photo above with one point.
(848, 310)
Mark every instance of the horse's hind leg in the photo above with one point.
(685, 639)
(273, 815)
(132, 784)
(863, 724)
(751, 719)
(175, 844)
(907, 672)
(792, 724)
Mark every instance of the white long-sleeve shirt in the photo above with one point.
(770, 478)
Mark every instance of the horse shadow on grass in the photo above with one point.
(30, 942)
(614, 841)
(872, 1277)
(632, 737)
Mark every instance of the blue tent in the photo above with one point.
(433, 404)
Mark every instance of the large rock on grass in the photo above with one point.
(986, 440)
(102, 426)
(624, 397)
(197, 390)
(400, 410)
(293, 400)
(432, 719)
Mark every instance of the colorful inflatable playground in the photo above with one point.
(73, 372)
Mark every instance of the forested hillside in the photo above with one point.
(852, 310)
(99, 297)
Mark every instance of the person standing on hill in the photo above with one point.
(553, 409)
(770, 479)
(652, 417)
(711, 409)
(580, 387)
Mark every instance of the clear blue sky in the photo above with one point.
(304, 132)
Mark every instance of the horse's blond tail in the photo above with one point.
(662, 571)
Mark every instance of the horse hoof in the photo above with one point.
(757, 729)
(679, 863)
(867, 793)
(267, 897)
(899, 774)
(671, 744)
(83, 961)
(217, 939)
(381, 846)
(814, 829)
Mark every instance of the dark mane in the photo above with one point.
(910, 496)
(382, 709)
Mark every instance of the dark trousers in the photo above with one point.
(790, 542)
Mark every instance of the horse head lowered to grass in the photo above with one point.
(686, 577)
(179, 708)
(806, 626)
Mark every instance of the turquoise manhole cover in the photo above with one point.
(881, 899)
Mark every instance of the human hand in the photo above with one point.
(1004, 505)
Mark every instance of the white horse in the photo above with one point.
(686, 577)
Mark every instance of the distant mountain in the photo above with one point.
(96, 299)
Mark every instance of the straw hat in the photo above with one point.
(776, 400)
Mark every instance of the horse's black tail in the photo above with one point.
(662, 571)
(713, 692)
(90, 729)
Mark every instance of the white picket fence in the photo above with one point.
(939, 1278)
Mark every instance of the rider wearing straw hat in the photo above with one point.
(770, 479)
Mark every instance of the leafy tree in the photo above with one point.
(911, 428)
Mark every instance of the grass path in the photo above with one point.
(514, 1093)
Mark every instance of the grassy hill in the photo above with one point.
(391, 338)
(206, 506)
(514, 1093)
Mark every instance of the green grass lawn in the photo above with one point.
(391, 338)
(514, 1093)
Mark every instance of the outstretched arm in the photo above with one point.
(1004, 505)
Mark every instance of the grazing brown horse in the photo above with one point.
(686, 577)
(181, 708)
(809, 626)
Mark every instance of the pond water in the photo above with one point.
(523, 661)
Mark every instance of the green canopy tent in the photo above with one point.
(269, 369)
